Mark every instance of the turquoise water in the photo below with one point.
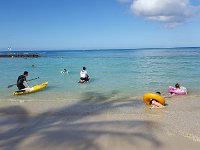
(125, 73)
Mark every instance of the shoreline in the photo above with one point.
(106, 124)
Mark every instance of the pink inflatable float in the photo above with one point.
(179, 91)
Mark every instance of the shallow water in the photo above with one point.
(122, 73)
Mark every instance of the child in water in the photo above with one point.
(64, 71)
(177, 90)
(155, 104)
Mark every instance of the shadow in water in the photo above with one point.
(69, 126)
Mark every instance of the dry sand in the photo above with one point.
(100, 125)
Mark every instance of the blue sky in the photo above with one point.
(98, 24)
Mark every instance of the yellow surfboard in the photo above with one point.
(32, 89)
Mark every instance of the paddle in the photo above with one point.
(9, 86)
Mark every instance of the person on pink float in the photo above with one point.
(177, 90)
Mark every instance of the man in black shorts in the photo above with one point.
(21, 81)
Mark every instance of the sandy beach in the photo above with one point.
(100, 123)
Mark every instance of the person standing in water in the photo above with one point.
(84, 77)
(21, 81)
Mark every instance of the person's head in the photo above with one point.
(25, 73)
(84, 68)
(65, 70)
(177, 85)
(158, 93)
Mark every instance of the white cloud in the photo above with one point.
(170, 12)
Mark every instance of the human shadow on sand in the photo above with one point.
(71, 127)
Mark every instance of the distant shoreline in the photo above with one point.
(12, 55)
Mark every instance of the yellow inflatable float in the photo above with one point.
(149, 96)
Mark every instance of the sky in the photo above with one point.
(98, 24)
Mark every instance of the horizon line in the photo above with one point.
(103, 49)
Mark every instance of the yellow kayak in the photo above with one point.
(32, 89)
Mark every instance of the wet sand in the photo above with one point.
(98, 123)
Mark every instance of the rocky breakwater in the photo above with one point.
(23, 55)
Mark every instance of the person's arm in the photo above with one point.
(157, 104)
(80, 73)
(86, 74)
(25, 84)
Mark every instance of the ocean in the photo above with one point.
(123, 73)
